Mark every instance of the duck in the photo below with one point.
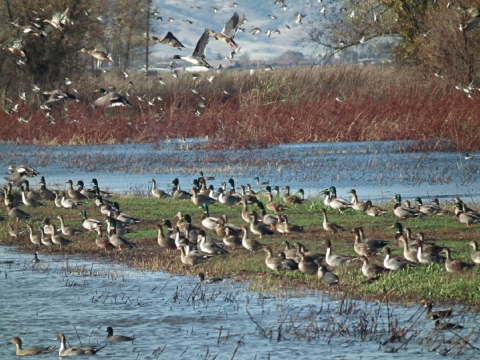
(229, 31)
(334, 202)
(250, 198)
(191, 231)
(96, 189)
(408, 254)
(371, 270)
(17, 174)
(110, 99)
(231, 240)
(169, 40)
(274, 206)
(74, 194)
(44, 240)
(475, 256)
(465, 218)
(198, 56)
(13, 232)
(67, 230)
(426, 246)
(89, 194)
(228, 199)
(179, 193)
(272, 262)
(327, 276)
(45, 193)
(222, 226)
(249, 244)
(336, 260)
(208, 222)
(440, 210)
(258, 228)
(427, 209)
(35, 260)
(35, 239)
(193, 258)
(373, 243)
(261, 183)
(403, 212)
(116, 338)
(73, 351)
(395, 264)
(287, 264)
(284, 227)
(363, 249)
(103, 242)
(57, 95)
(289, 251)
(31, 351)
(124, 218)
(200, 199)
(16, 213)
(119, 241)
(305, 266)
(58, 239)
(454, 265)
(442, 314)
(164, 241)
(118, 227)
(427, 258)
(291, 199)
(210, 280)
(30, 194)
(97, 54)
(246, 214)
(374, 210)
(465, 207)
(329, 226)
(209, 247)
(444, 326)
(160, 194)
(27, 201)
(357, 205)
(89, 224)
(67, 203)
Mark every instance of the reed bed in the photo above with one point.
(244, 110)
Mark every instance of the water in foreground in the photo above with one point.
(175, 317)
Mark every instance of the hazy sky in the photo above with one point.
(259, 47)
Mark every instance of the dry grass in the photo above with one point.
(283, 106)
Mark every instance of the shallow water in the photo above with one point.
(377, 170)
(175, 317)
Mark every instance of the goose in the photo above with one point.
(329, 226)
(464, 217)
(336, 260)
(110, 99)
(103, 242)
(249, 244)
(160, 194)
(116, 338)
(208, 222)
(258, 228)
(327, 276)
(198, 56)
(169, 40)
(229, 31)
(334, 202)
(454, 265)
(89, 224)
(31, 351)
(395, 264)
(67, 230)
(73, 351)
(374, 210)
(475, 253)
(119, 241)
(271, 261)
